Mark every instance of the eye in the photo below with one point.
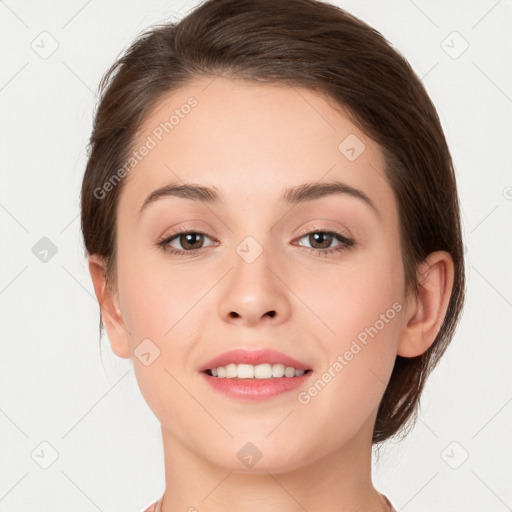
(321, 241)
(190, 242)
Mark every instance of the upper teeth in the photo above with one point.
(260, 371)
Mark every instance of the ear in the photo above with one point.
(426, 312)
(109, 306)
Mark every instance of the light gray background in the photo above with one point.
(55, 388)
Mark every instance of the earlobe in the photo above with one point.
(110, 309)
(425, 313)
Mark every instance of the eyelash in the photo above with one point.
(346, 243)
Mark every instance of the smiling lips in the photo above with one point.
(254, 374)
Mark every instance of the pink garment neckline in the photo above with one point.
(155, 507)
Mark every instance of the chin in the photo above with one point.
(257, 456)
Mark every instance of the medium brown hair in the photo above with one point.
(303, 43)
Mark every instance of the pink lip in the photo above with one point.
(254, 357)
(255, 389)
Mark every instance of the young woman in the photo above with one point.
(271, 219)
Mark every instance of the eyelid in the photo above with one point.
(182, 231)
(185, 228)
(322, 227)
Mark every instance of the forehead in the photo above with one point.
(251, 141)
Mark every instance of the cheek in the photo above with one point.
(357, 321)
(345, 299)
(156, 294)
(159, 304)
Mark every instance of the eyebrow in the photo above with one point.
(292, 196)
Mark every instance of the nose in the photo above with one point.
(254, 293)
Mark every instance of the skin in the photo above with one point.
(250, 142)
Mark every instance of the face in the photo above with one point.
(313, 273)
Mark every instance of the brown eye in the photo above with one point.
(184, 242)
(321, 242)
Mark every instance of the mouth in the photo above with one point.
(255, 374)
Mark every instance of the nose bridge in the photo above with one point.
(253, 292)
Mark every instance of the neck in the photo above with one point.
(339, 481)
